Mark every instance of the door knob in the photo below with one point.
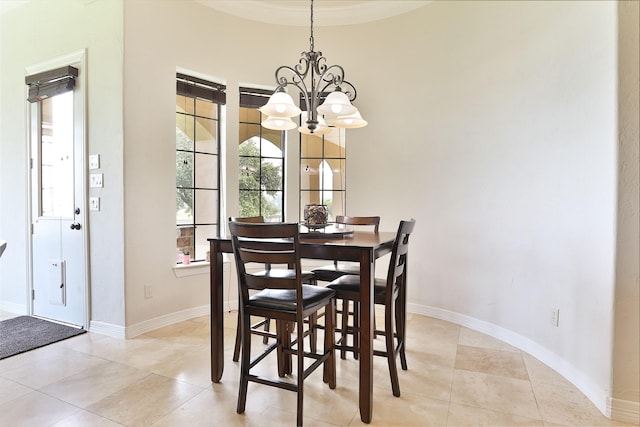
(76, 226)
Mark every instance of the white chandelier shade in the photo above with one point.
(351, 121)
(337, 104)
(279, 123)
(280, 104)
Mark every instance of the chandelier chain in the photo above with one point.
(311, 42)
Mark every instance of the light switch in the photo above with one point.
(94, 161)
(94, 204)
(95, 180)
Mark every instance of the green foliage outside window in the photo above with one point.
(260, 183)
(184, 174)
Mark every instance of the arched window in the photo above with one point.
(261, 160)
(322, 171)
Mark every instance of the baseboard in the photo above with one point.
(625, 411)
(108, 329)
(166, 320)
(12, 307)
(598, 396)
(122, 332)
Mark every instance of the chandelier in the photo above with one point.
(324, 82)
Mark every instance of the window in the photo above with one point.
(261, 160)
(198, 109)
(53, 91)
(56, 156)
(322, 171)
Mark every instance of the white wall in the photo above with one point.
(31, 34)
(491, 123)
(502, 117)
(191, 37)
(626, 367)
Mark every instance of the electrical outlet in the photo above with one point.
(147, 292)
(95, 180)
(94, 204)
(555, 317)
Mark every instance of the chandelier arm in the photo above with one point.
(349, 90)
(333, 74)
(297, 80)
(336, 80)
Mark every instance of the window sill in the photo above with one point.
(193, 269)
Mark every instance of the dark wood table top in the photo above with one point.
(330, 231)
(346, 248)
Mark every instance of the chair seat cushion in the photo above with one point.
(351, 284)
(331, 272)
(285, 299)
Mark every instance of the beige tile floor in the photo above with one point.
(456, 377)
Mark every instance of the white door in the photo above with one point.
(58, 240)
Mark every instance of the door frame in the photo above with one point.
(78, 60)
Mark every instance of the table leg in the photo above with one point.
(217, 312)
(366, 335)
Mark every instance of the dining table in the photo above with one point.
(364, 247)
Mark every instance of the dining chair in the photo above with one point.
(264, 322)
(389, 292)
(279, 294)
(331, 272)
(3, 245)
(307, 277)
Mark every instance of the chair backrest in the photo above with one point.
(3, 245)
(359, 220)
(396, 276)
(271, 244)
(252, 220)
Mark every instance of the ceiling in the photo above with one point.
(296, 12)
(326, 12)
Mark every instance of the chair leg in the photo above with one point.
(289, 330)
(375, 334)
(313, 332)
(329, 346)
(282, 343)
(244, 367)
(300, 374)
(267, 325)
(236, 350)
(344, 327)
(401, 332)
(313, 323)
(390, 350)
(356, 329)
